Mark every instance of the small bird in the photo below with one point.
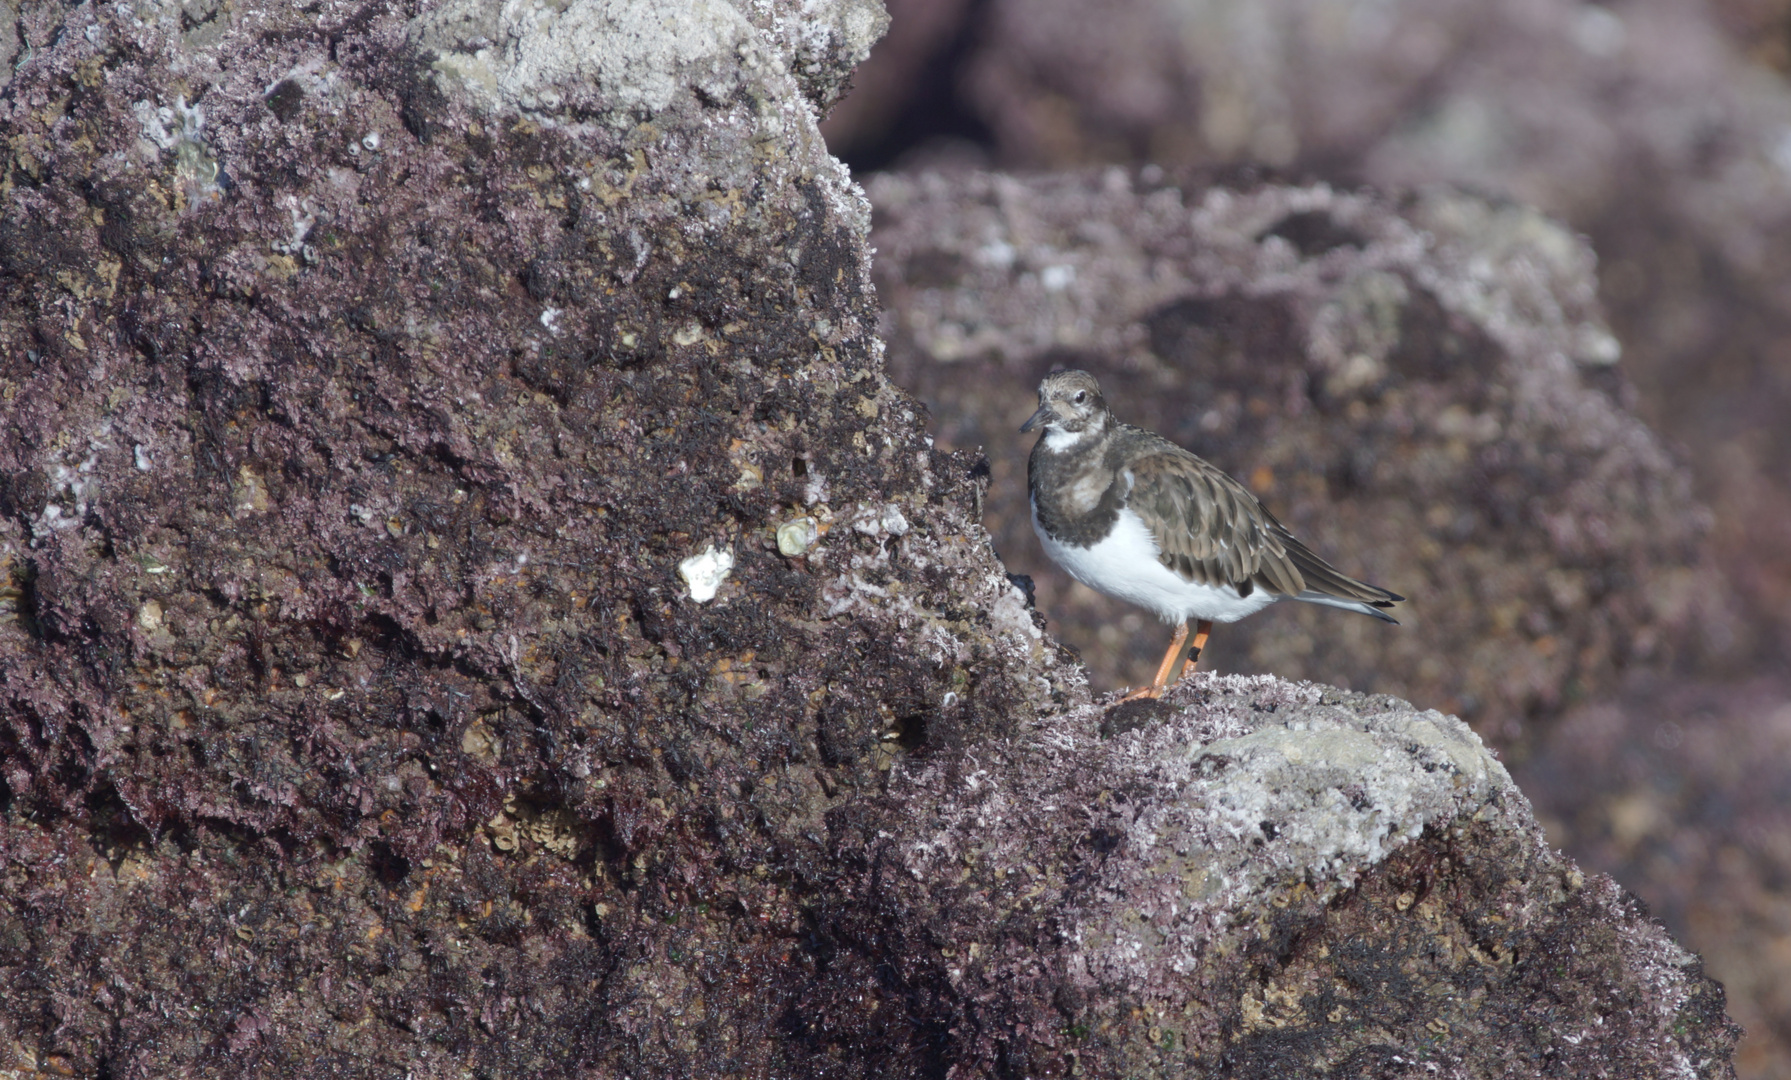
(1132, 515)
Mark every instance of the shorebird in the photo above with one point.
(1134, 516)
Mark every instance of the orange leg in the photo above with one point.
(1183, 647)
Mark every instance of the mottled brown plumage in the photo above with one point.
(1109, 498)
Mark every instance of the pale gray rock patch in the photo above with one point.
(538, 56)
(1254, 784)
(631, 60)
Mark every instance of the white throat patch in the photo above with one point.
(1058, 440)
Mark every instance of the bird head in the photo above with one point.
(1070, 409)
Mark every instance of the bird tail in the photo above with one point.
(1313, 596)
(1327, 585)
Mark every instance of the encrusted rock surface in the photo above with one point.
(475, 607)
(1267, 878)
(1424, 391)
(1583, 110)
(1682, 791)
(1649, 125)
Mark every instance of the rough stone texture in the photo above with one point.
(1271, 879)
(1423, 391)
(622, 62)
(1656, 127)
(1686, 791)
(1639, 123)
(368, 443)
(355, 714)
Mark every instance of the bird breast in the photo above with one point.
(1083, 493)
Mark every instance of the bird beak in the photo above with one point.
(1037, 420)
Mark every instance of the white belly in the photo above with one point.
(1125, 567)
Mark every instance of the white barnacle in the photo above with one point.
(705, 571)
(796, 537)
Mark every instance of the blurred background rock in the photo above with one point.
(1658, 129)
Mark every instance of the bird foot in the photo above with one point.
(1143, 692)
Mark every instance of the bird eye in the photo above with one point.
(1081, 395)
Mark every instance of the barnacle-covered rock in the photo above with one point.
(1267, 879)
(1422, 390)
(372, 379)
(370, 374)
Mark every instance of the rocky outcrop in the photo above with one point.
(1683, 791)
(1265, 879)
(1654, 127)
(1425, 391)
(475, 605)
(1577, 109)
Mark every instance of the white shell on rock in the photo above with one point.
(796, 537)
(705, 571)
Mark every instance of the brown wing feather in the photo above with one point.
(1322, 577)
(1210, 529)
